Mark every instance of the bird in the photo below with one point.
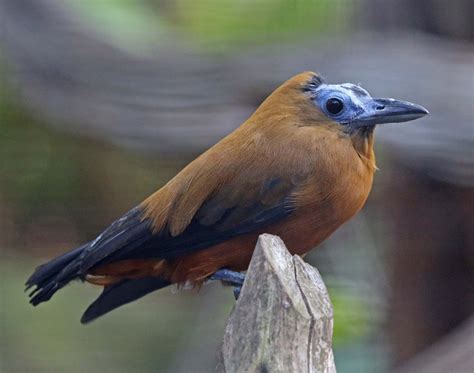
(299, 167)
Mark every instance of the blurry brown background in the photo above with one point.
(103, 101)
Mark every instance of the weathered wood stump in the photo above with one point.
(283, 319)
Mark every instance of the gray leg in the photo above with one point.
(236, 279)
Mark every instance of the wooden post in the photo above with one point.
(283, 319)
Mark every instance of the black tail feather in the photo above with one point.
(119, 294)
(52, 276)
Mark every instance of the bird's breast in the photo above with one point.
(338, 189)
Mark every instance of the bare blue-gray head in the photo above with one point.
(352, 106)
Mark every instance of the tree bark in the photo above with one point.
(283, 320)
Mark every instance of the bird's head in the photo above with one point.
(353, 107)
(348, 107)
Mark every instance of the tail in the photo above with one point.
(121, 293)
(52, 276)
(121, 237)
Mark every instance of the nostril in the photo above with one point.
(380, 107)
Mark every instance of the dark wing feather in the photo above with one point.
(125, 234)
(217, 220)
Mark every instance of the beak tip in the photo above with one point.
(423, 111)
(396, 111)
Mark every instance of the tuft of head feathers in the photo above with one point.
(314, 82)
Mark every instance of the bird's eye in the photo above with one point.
(334, 105)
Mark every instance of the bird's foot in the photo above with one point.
(236, 279)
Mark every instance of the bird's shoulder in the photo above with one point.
(242, 175)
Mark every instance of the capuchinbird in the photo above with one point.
(299, 167)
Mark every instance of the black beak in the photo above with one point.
(388, 110)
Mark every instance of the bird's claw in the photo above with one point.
(236, 291)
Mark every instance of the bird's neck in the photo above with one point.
(363, 142)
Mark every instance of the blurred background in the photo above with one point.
(103, 101)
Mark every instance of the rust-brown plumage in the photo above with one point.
(288, 170)
(287, 138)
